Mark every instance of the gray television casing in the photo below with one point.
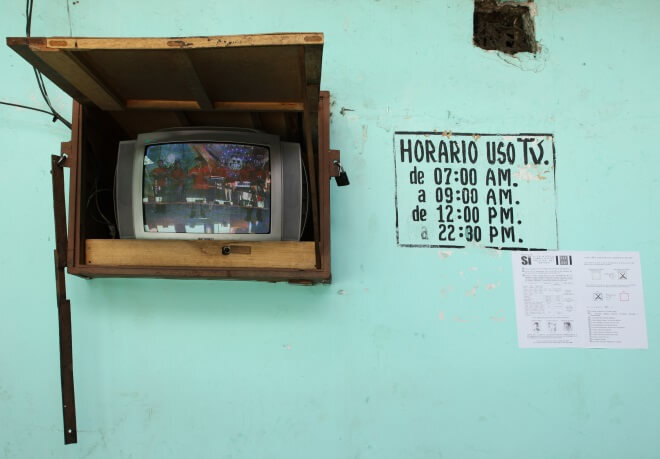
(286, 182)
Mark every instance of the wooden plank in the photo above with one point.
(59, 214)
(259, 74)
(260, 106)
(63, 305)
(218, 118)
(185, 65)
(74, 248)
(275, 123)
(135, 122)
(227, 41)
(199, 254)
(310, 122)
(73, 69)
(324, 181)
(162, 104)
(220, 106)
(311, 172)
(256, 120)
(312, 65)
(232, 75)
(66, 372)
(313, 62)
(265, 274)
(182, 118)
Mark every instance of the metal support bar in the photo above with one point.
(63, 304)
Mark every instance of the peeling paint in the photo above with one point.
(529, 62)
(341, 292)
(492, 286)
(529, 173)
(441, 315)
(472, 291)
(498, 317)
(533, 9)
(495, 253)
(444, 254)
(446, 291)
(461, 320)
(179, 44)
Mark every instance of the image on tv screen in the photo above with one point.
(206, 188)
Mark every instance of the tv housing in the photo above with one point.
(210, 183)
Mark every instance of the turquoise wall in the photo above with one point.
(409, 353)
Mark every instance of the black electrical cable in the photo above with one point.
(28, 17)
(25, 106)
(40, 82)
(37, 110)
(44, 93)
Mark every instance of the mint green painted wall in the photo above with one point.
(394, 359)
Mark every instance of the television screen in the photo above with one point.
(206, 188)
(226, 184)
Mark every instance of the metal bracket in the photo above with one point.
(63, 304)
(65, 152)
(333, 160)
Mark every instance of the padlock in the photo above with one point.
(342, 178)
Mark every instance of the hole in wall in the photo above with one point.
(505, 26)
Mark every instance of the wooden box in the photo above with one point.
(124, 86)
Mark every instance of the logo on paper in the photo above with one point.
(564, 260)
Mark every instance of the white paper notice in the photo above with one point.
(579, 299)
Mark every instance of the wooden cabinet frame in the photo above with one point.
(317, 253)
(93, 72)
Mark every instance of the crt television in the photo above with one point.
(210, 183)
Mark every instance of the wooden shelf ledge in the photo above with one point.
(200, 254)
(220, 106)
(226, 41)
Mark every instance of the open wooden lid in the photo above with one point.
(242, 72)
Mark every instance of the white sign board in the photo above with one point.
(488, 189)
(579, 299)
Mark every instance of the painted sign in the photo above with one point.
(493, 190)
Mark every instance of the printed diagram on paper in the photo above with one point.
(579, 299)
